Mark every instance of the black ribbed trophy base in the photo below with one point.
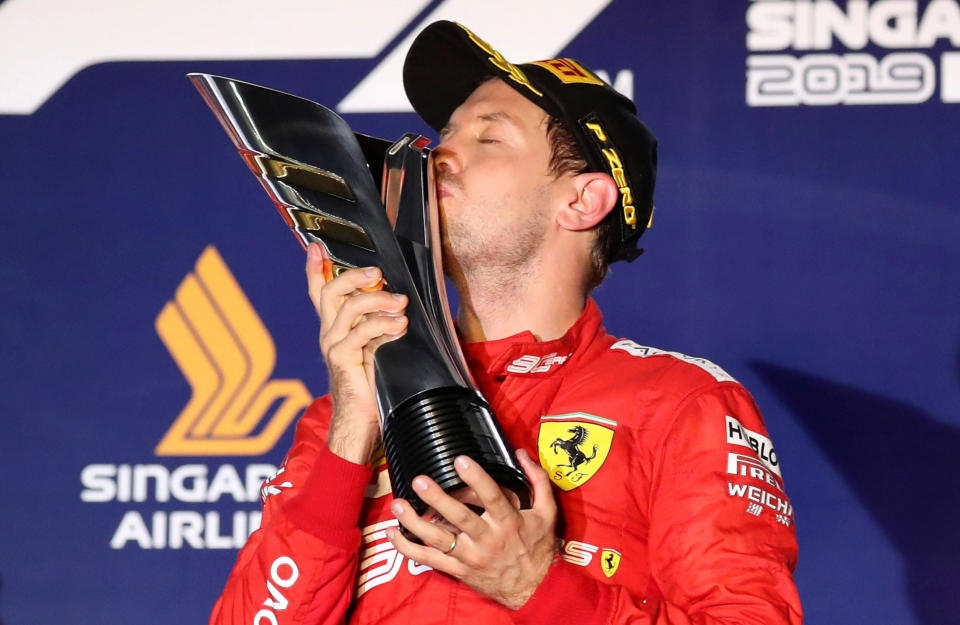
(425, 434)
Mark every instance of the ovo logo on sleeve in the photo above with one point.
(227, 355)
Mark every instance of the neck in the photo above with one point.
(494, 306)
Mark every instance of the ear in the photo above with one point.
(596, 194)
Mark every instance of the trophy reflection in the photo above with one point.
(323, 178)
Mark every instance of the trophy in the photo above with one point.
(323, 179)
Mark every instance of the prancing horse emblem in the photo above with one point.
(572, 447)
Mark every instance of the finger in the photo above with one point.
(335, 293)
(429, 533)
(360, 308)
(327, 293)
(491, 495)
(316, 274)
(319, 266)
(354, 346)
(370, 349)
(454, 511)
(426, 555)
(543, 499)
(318, 252)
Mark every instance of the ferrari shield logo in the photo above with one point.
(610, 561)
(573, 447)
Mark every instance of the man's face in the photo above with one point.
(493, 182)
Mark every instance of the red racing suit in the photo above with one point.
(672, 508)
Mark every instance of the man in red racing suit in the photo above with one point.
(669, 497)
(678, 517)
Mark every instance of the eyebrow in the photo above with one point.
(496, 116)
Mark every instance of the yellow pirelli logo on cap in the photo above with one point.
(569, 71)
(513, 72)
(227, 356)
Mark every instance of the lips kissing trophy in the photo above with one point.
(323, 179)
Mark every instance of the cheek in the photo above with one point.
(502, 177)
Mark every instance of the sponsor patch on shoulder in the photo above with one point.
(760, 499)
(737, 434)
(643, 351)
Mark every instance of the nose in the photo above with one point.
(446, 159)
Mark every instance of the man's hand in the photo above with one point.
(503, 554)
(353, 323)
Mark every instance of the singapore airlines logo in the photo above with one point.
(227, 356)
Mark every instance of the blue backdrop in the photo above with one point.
(805, 239)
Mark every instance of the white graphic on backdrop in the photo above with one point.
(147, 525)
(43, 43)
(521, 31)
(821, 78)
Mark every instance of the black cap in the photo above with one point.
(447, 62)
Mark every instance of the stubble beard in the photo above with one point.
(498, 262)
